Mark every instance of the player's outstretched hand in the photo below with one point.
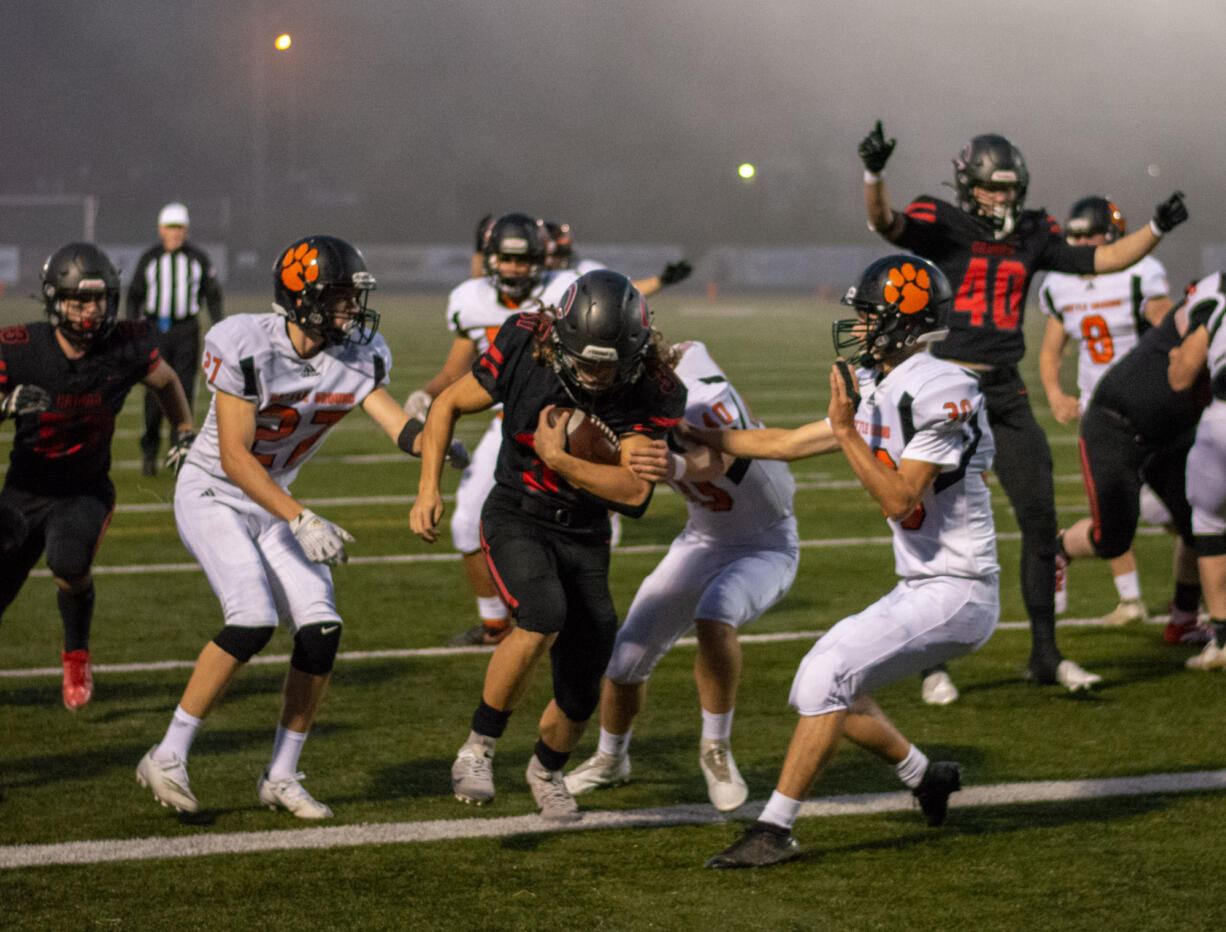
(418, 404)
(842, 410)
(875, 150)
(652, 463)
(1170, 213)
(24, 399)
(675, 272)
(176, 456)
(321, 540)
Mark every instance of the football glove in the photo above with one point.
(418, 405)
(1170, 213)
(24, 399)
(875, 151)
(176, 456)
(457, 455)
(321, 540)
(675, 272)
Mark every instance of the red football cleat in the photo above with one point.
(1184, 628)
(78, 679)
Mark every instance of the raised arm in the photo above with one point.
(875, 151)
(1113, 257)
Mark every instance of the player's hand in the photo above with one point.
(841, 410)
(675, 272)
(1170, 213)
(457, 455)
(176, 456)
(652, 462)
(1065, 409)
(875, 150)
(418, 405)
(24, 399)
(549, 442)
(425, 515)
(321, 540)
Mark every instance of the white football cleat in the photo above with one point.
(600, 769)
(1073, 678)
(290, 794)
(168, 781)
(938, 689)
(725, 786)
(1211, 658)
(472, 774)
(1128, 611)
(550, 792)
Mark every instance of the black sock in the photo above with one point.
(549, 758)
(1187, 596)
(77, 612)
(1219, 632)
(489, 721)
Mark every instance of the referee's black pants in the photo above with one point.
(180, 347)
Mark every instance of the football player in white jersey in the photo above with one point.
(919, 442)
(560, 254)
(735, 558)
(1104, 315)
(515, 280)
(280, 382)
(1205, 344)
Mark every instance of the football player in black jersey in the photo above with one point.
(989, 247)
(545, 526)
(64, 381)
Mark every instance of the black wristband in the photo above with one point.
(408, 435)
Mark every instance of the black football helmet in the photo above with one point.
(991, 162)
(560, 250)
(307, 277)
(900, 300)
(600, 333)
(79, 271)
(1093, 215)
(515, 236)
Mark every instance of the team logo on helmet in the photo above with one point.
(909, 288)
(298, 266)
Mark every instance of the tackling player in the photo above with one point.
(735, 558)
(989, 247)
(1104, 315)
(919, 442)
(280, 383)
(545, 525)
(64, 381)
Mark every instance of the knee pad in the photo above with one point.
(243, 643)
(315, 647)
(577, 700)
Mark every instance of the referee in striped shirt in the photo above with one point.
(167, 286)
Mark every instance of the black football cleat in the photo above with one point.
(762, 844)
(941, 780)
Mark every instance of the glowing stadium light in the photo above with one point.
(746, 171)
(283, 42)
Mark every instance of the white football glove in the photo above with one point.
(321, 540)
(418, 404)
(24, 399)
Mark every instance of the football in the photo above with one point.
(588, 437)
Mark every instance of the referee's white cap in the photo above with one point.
(173, 215)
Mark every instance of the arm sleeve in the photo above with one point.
(1059, 256)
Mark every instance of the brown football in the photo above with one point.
(588, 437)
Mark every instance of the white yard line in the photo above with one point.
(343, 836)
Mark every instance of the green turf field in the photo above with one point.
(381, 752)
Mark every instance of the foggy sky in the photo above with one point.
(399, 121)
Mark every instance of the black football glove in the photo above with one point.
(875, 151)
(675, 272)
(457, 455)
(1170, 213)
(176, 456)
(24, 399)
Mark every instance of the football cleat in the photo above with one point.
(1073, 678)
(938, 689)
(1061, 584)
(1128, 611)
(167, 779)
(600, 769)
(289, 793)
(725, 786)
(478, 635)
(78, 678)
(942, 778)
(1185, 628)
(1211, 658)
(472, 774)
(550, 792)
(762, 844)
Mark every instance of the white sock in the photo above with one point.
(1128, 586)
(614, 745)
(286, 748)
(717, 726)
(491, 608)
(911, 769)
(780, 810)
(179, 736)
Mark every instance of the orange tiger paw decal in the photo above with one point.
(298, 267)
(910, 288)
